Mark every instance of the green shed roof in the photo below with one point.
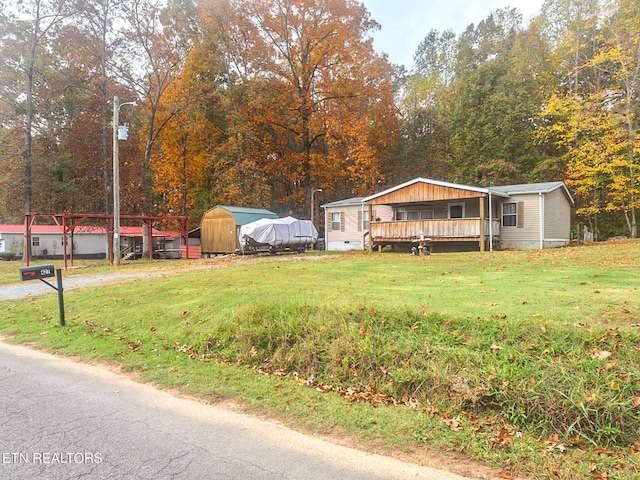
(244, 215)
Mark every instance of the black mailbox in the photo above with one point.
(37, 272)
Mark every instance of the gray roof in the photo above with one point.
(347, 202)
(502, 190)
(535, 188)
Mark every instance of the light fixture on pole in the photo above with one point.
(119, 133)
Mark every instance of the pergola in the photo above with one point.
(67, 222)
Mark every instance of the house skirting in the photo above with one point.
(344, 246)
(532, 244)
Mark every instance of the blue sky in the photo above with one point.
(405, 23)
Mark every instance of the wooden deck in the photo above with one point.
(447, 230)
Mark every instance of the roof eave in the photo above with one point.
(433, 182)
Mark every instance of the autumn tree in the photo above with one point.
(28, 27)
(620, 59)
(320, 93)
(157, 39)
(592, 120)
(182, 163)
(90, 46)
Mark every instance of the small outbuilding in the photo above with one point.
(220, 228)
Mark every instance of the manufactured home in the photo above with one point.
(451, 217)
(47, 241)
(88, 242)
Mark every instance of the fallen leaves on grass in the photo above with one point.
(453, 423)
(554, 445)
(600, 354)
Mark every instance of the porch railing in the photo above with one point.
(445, 229)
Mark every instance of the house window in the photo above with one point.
(426, 214)
(456, 210)
(400, 216)
(35, 241)
(510, 214)
(412, 215)
(365, 220)
(2, 245)
(335, 221)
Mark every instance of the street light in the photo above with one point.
(118, 134)
(312, 204)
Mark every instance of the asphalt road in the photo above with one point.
(63, 420)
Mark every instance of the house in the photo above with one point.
(220, 228)
(449, 216)
(346, 222)
(47, 241)
(90, 242)
(165, 244)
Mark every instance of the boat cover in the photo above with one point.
(287, 231)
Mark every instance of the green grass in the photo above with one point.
(527, 361)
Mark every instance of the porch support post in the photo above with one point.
(490, 224)
(371, 220)
(482, 217)
(541, 220)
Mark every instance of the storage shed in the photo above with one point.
(220, 227)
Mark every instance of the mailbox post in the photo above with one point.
(40, 272)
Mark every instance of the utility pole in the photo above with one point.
(119, 133)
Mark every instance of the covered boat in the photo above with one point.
(280, 234)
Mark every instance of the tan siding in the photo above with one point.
(351, 221)
(557, 218)
(528, 217)
(348, 224)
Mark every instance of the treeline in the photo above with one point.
(260, 102)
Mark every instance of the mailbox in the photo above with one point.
(37, 272)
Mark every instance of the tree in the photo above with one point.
(24, 43)
(427, 101)
(156, 43)
(315, 73)
(90, 46)
(594, 125)
(503, 75)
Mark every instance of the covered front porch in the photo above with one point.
(483, 231)
(435, 213)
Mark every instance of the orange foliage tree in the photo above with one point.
(313, 103)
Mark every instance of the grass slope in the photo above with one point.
(528, 361)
